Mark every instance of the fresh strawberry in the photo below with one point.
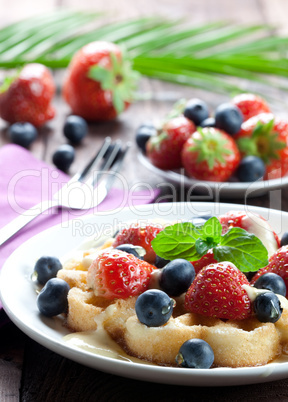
(100, 82)
(210, 154)
(252, 223)
(266, 136)
(278, 264)
(116, 274)
(217, 292)
(139, 235)
(205, 260)
(250, 105)
(27, 96)
(164, 149)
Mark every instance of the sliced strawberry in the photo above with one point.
(278, 264)
(139, 235)
(210, 154)
(266, 136)
(164, 149)
(255, 224)
(250, 105)
(27, 96)
(100, 82)
(217, 292)
(116, 274)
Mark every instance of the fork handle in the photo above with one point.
(22, 220)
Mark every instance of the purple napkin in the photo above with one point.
(25, 181)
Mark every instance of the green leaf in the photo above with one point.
(243, 249)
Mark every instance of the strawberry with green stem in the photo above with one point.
(100, 82)
(266, 136)
(210, 154)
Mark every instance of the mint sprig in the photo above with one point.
(185, 240)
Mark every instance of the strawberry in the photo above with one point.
(139, 235)
(205, 260)
(255, 224)
(117, 274)
(250, 105)
(217, 292)
(27, 96)
(164, 149)
(266, 136)
(278, 264)
(100, 82)
(210, 154)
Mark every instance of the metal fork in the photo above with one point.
(84, 190)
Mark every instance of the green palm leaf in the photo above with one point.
(204, 56)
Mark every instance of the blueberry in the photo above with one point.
(267, 307)
(209, 122)
(63, 157)
(176, 277)
(284, 239)
(251, 168)
(52, 300)
(196, 110)
(75, 129)
(273, 282)
(47, 268)
(228, 118)
(22, 134)
(160, 262)
(143, 134)
(195, 353)
(154, 308)
(200, 220)
(137, 251)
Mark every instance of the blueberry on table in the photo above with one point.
(196, 110)
(195, 353)
(228, 118)
(160, 262)
(284, 239)
(63, 157)
(209, 122)
(273, 282)
(154, 308)
(267, 307)
(22, 134)
(137, 251)
(52, 300)
(75, 129)
(176, 277)
(46, 268)
(251, 168)
(143, 133)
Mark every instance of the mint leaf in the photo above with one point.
(212, 230)
(243, 249)
(202, 246)
(177, 241)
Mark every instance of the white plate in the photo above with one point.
(220, 190)
(19, 297)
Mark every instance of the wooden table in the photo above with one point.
(33, 373)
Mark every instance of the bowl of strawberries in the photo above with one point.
(242, 150)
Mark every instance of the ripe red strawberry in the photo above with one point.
(278, 264)
(210, 154)
(27, 96)
(252, 223)
(100, 82)
(266, 136)
(250, 105)
(139, 235)
(116, 274)
(217, 292)
(205, 260)
(164, 149)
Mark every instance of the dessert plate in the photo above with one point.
(231, 189)
(19, 297)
